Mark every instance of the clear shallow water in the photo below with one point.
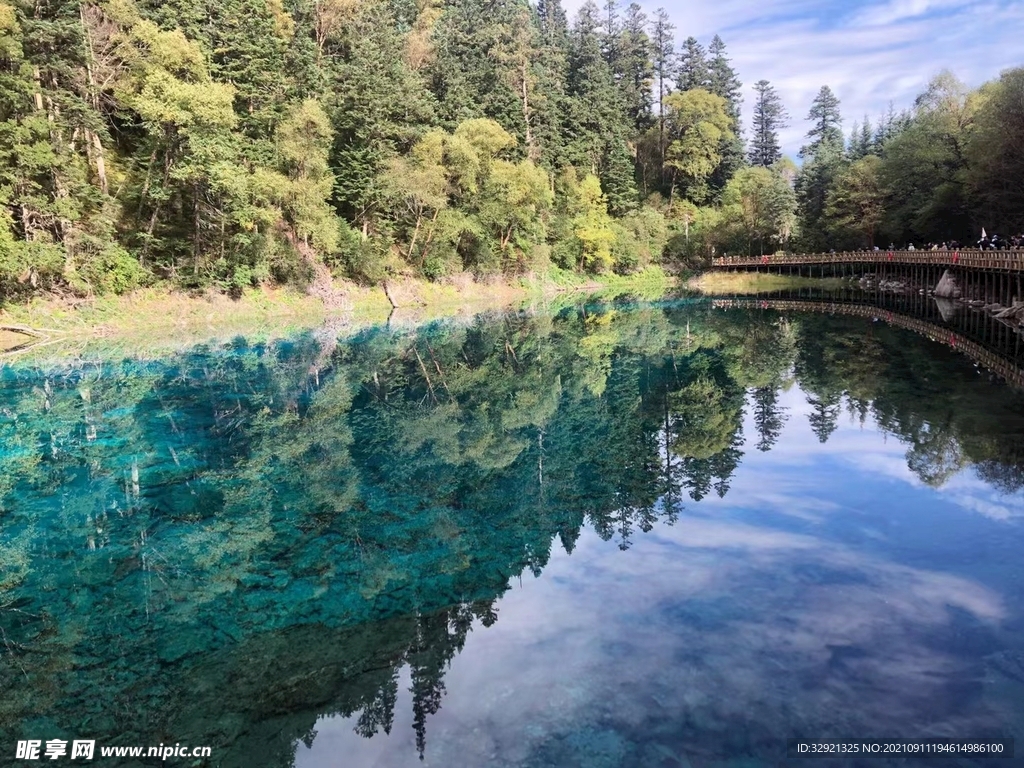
(654, 536)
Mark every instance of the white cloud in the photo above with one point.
(898, 10)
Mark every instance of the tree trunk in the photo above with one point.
(96, 153)
(430, 237)
(57, 140)
(94, 147)
(156, 208)
(195, 229)
(387, 293)
(661, 118)
(37, 97)
(415, 234)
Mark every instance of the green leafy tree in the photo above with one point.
(856, 201)
(926, 166)
(516, 197)
(757, 200)
(593, 227)
(30, 251)
(699, 123)
(782, 203)
(304, 140)
(418, 187)
(995, 155)
(196, 188)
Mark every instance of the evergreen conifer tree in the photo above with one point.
(724, 82)
(664, 67)
(867, 143)
(769, 117)
(823, 159)
(722, 78)
(826, 128)
(551, 69)
(597, 127)
(378, 108)
(634, 67)
(693, 67)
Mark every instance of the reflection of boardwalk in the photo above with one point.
(1007, 261)
(982, 350)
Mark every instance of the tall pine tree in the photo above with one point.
(769, 117)
(634, 69)
(664, 67)
(823, 159)
(724, 82)
(378, 108)
(826, 123)
(693, 67)
(469, 76)
(552, 71)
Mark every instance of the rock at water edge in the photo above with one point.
(947, 287)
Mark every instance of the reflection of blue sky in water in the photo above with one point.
(830, 593)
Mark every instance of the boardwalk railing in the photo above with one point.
(1007, 370)
(1010, 261)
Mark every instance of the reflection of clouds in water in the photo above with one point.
(859, 448)
(726, 633)
(970, 492)
(779, 495)
(775, 632)
(987, 507)
(705, 633)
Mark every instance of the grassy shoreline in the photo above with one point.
(156, 320)
(721, 283)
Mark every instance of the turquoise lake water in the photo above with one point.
(612, 535)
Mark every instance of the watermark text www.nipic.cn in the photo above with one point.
(54, 749)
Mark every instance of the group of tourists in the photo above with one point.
(991, 242)
(951, 245)
(995, 242)
(987, 242)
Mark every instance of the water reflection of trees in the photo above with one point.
(258, 535)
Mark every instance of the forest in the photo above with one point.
(234, 144)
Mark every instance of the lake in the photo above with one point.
(619, 534)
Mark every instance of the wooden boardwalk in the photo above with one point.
(1010, 371)
(1002, 261)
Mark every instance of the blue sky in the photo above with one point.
(870, 52)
